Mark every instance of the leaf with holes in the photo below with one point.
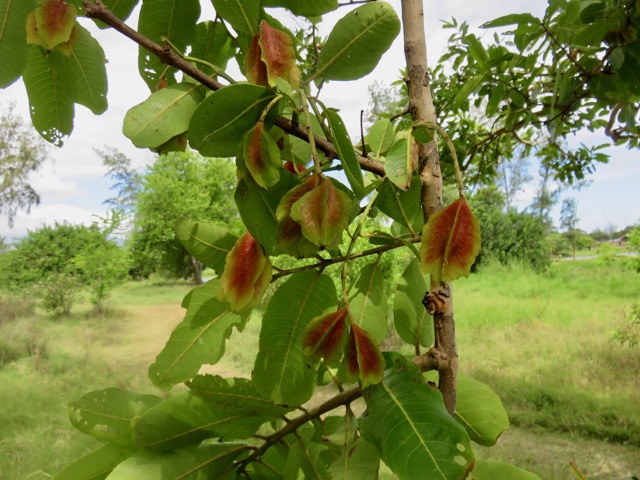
(261, 156)
(409, 424)
(368, 302)
(205, 241)
(199, 339)
(326, 336)
(107, 414)
(450, 242)
(363, 360)
(413, 324)
(357, 42)
(281, 371)
(246, 276)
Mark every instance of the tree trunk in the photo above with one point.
(422, 110)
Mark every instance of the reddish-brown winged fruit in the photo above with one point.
(326, 336)
(262, 156)
(255, 69)
(294, 167)
(323, 213)
(450, 242)
(363, 360)
(278, 55)
(51, 25)
(289, 232)
(246, 276)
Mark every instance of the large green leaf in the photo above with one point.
(357, 42)
(107, 414)
(242, 15)
(225, 116)
(399, 164)
(403, 207)
(305, 9)
(187, 419)
(413, 324)
(210, 460)
(367, 301)
(51, 105)
(97, 465)
(408, 423)
(162, 116)
(213, 44)
(206, 241)
(346, 153)
(172, 19)
(380, 137)
(238, 393)
(360, 462)
(258, 206)
(14, 50)
(306, 458)
(198, 340)
(281, 371)
(497, 470)
(480, 411)
(83, 72)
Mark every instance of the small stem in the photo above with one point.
(270, 105)
(310, 135)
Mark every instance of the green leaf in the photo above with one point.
(187, 419)
(162, 116)
(515, 18)
(213, 44)
(346, 153)
(467, 89)
(120, 8)
(97, 465)
(367, 301)
(592, 12)
(360, 462)
(173, 20)
(52, 108)
(357, 42)
(403, 207)
(413, 324)
(380, 137)
(498, 94)
(14, 50)
(400, 162)
(210, 460)
(242, 15)
(225, 116)
(237, 393)
(107, 414)
(83, 72)
(258, 206)
(281, 371)
(305, 458)
(408, 423)
(497, 470)
(305, 9)
(206, 241)
(198, 340)
(480, 411)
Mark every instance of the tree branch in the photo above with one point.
(97, 10)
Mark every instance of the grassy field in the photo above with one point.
(542, 341)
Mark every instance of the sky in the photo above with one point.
(72, 183)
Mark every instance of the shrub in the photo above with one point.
(629, 333)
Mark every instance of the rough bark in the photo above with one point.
(422, 110)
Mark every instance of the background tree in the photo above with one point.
(568, 220)
(179, 185)
(128, 180)
(21, 153)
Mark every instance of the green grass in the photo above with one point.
(543, 342)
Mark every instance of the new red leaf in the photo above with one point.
(246, 276)
(255, 69)
(326, 336)
(278, 55)
(363, 360)
(262, 156)
(450, 242)
(289, 232)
